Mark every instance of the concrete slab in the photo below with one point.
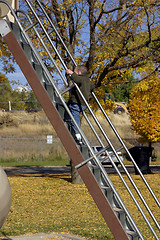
(52, 236)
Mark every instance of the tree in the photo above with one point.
(24, 100)
(113, 39)
(126, 39)
(18, 100)
(5, 92)
(121, 34)
(144, 109)
(121, 92)
(6, 58)
(32, 102)
(122, 37)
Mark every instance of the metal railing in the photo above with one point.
(105, 137)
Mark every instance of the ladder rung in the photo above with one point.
(132, 235)
(106, 188)
(67, 89)
(94, 163)
(49, 32)
(121, 216)
(39, 71)
(27, 50)
(118, 210)
(17, 31)
(31, 26)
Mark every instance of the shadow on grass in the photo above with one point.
(61, 172)
(6, 238)
(34, 170)
(68, 179)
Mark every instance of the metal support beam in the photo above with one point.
(66, 138)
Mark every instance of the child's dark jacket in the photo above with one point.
(85, 85)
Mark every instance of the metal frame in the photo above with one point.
(65, 137)
(47, 105)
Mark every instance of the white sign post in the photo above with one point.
(49, 139)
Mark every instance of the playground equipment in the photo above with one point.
(5, 189)
(5, 11)
(5, 196)
(19, 37)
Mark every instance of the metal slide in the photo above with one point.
(31, 41)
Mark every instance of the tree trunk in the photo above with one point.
(150, 151)
(76, 178)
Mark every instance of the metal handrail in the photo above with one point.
(46, 33)
(43, 44)
(97, 122)
(64, 45)
(124, 146)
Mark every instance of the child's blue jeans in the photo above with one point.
(76, 109)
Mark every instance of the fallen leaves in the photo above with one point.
(49, 204)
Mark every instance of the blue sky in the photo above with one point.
(17, 76)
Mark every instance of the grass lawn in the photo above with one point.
(56, 161)
(53, 204)
(49, 161)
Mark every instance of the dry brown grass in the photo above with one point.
(36, 125)
(26, 125)
(122, 125)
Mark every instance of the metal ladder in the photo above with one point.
(30, 39)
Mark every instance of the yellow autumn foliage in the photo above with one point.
(2, 78)
(145, 109)
(108, 105)
(51, 203)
